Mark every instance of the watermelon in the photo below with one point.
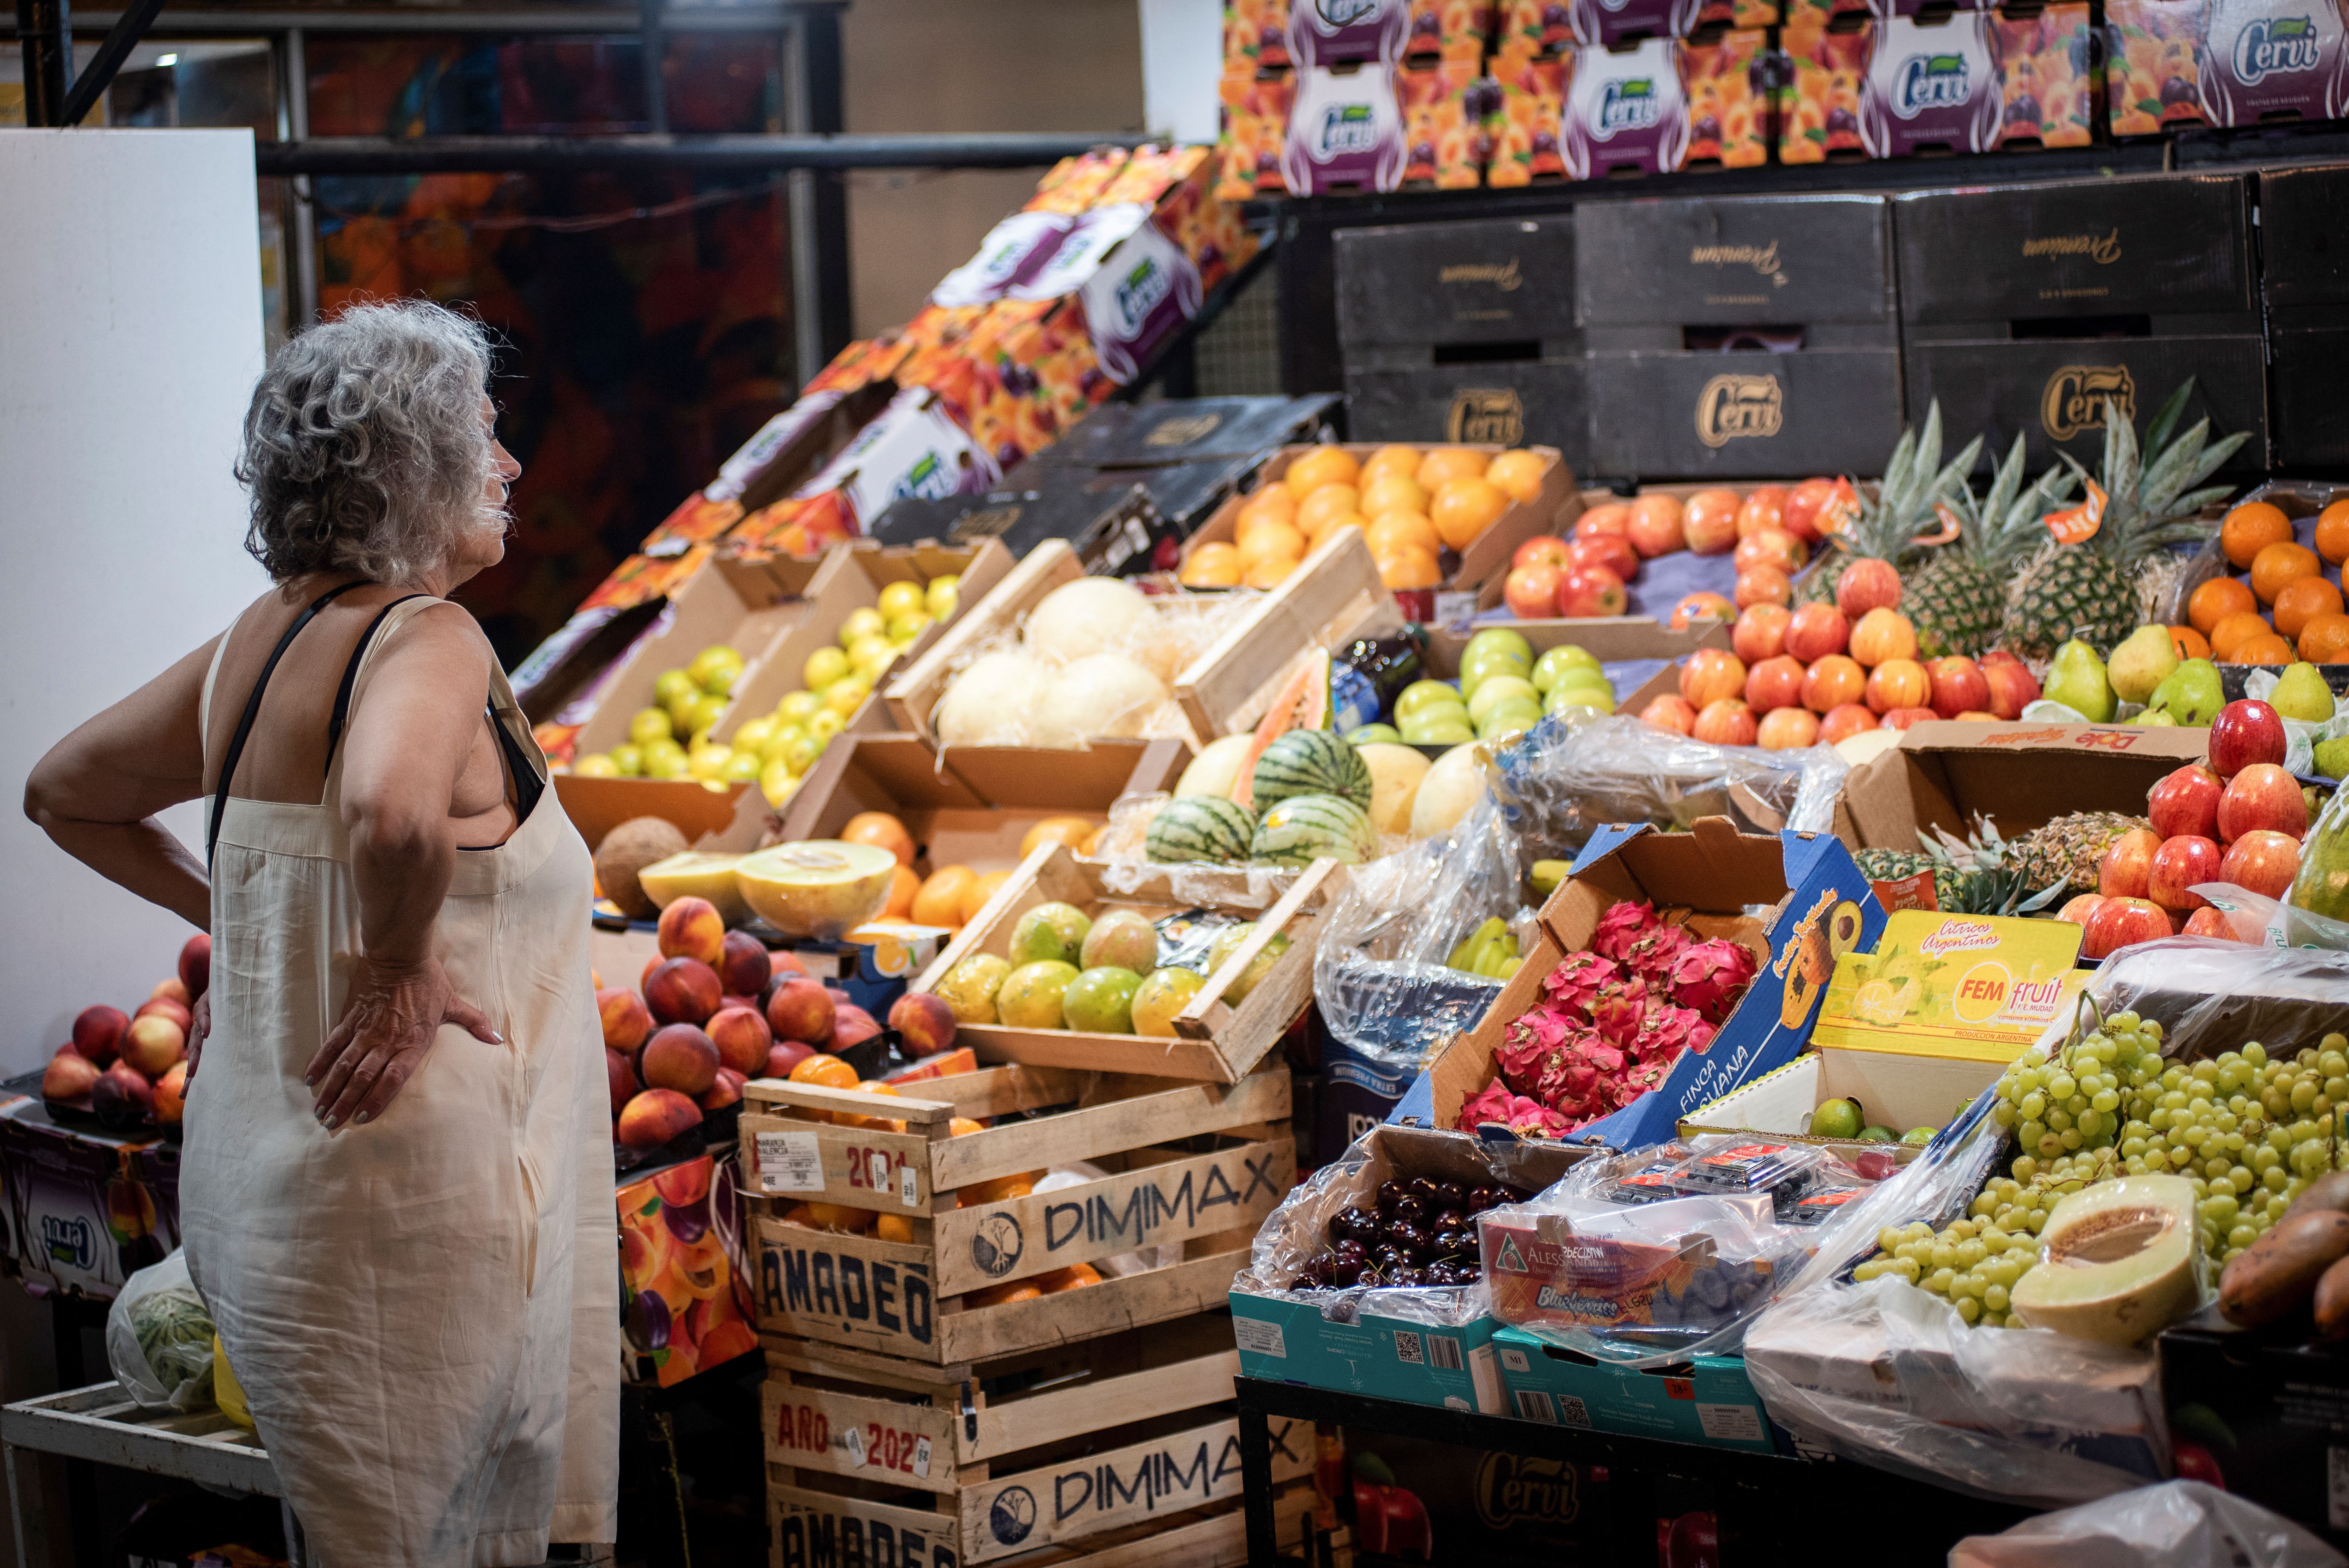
(1306, 827)
(1303, 704)
(1311, 762)
(1199, 828)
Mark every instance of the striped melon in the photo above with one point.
(1306, 828)
(1199, 828)
(1311, 762)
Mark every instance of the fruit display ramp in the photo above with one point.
(1215, 1040)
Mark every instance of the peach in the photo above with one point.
(2262, 861)
(2127, 869)
(98, 1034)
(744, 967)
(1867, 584)
(1710, 676)
(785, 1054)
(681, 1057)
(731, 1000)
(1832, 682)
(1881, 636)
(625, 1022)
(801, 1010)
(924, 1022)
(196, 964)
(1898, 682)
(621, 1071)
(122, 1097)
(152, 1044)
(1769, 547)
(1760, 632)
(1902, 718)
(683, 1186)
(1774, 684)
(1787, 728)
(1761, 585)
(1814, 630)
(2262, 796)
(682, 991)
(174, 989)
(726, 1091)
(70, 1075)
(2177, 866)
(163, 1007)
(692, 928)
(1845, 719)
(1670, 712)
(742, 1038)
(654, 1117)
(171, 1094)
(1959, 685)
(2012, 686)
(852, 1026)
(1726, 721)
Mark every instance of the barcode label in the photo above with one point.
(853, 1441)
(2337, 1488)
(790, 1163)
(1534, 1405)
(922, 1457)
(1443, 1352)
(1407, 1349)
(906, 1184)
(1732, 1423)
(1258, 1337)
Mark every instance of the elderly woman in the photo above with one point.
(397, 1191)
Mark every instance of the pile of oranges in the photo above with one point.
(1411, 503)
(2284, 606)
(951, 895)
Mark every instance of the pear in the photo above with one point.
(2155, 718)
(2142, 662)
(2301, 693)
(2077, 680)
(2333, 756)
(2192, 694)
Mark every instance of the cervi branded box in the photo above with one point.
(1462, 332)
(2304, 275)
(2027, 306)
(1753, 336)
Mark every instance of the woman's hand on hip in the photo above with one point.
(390, 1021)
(200, 1027)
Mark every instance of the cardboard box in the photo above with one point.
(1498, 1508)
(1972, 81)
(1513, 401)
(86, 1212)
(1108, 517)
(1943, 775)
(1186, 430)
(1759, 261)
(1677, 415)
(1488, 281)
(685, 1304)
(2305, 280)
(1380, 1354)
(1981, 988)
(1711, 875)
(1376, 125)
(2169, 63)
(1892, 1090)
(2261, 1412)
(1707, 1400)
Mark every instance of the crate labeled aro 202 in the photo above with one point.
(1001, 1457)
(1187, 1169)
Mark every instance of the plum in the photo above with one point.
(689, 1222)
(645, 1322)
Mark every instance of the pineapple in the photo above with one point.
(1896, 865)
(1984, 874)
(1901, 508)
(2101, 590)
(1959, 599)
(2068, 850)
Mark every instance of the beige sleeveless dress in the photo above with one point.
(423, 1311)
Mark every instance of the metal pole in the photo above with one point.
(525, 154)
(120, 39)
(807, 298)
(819, 33)
(654, 50)
(45, 29)
(301, 216)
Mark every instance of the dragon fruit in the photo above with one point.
(1620, 926)
(1526, 1118)
(1575, 983)
(1532, 1038)
(1618, 1009)
(1651, 954)
(1710, 977)
(1667, 1031)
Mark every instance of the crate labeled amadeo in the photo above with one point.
(811, 1527)
(1215, 1040)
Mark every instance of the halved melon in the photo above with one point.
(2116, 1262)
(1303, 704)
(820, 890)
(697, 873)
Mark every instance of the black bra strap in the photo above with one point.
(351, 675)
(252, 710)
(528, 785)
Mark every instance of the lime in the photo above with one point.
(648, 725)
(1421, 693)
(827, 722)
(740, 768)
(752, 735)
(1029, 997)
(1101, 1001)
(673, 687)
(843, 696)
(798, 708)
(1503, 638)
(904, 629)
(1049, 931)
(715, 669)
(1879, 1135)
(776, 782)
(629, 759)
(1921, 1135)
(707, 710)
(1837, 1118)
(595, 765)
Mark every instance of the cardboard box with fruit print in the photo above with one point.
(1969, 82)
(685, 1297)
(2224, 62)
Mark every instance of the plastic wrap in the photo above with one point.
(1577, 772)
(159, 1339)
(2177, 1524)
(1127, 871)
(2263, 921)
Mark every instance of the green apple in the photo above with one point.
(1420, 694)
(1497, 689)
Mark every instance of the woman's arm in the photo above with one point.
(98, 791)
(403, 752)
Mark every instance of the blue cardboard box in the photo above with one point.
(1706, 1400)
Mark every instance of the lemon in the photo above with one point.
(741, 768)
(776, 782)
(796, 749)
(798, 708)
(629, 759)
(672, 687)
(823, 667)
(901, 599)
(904, 629)
(941, 596)
(827, 724)
(715, 669)
(595, 765)
(751, 736)
(648, 725)
(841, 698)
(706, 762)
(866, 622)
(708, 709)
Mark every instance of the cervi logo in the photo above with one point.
(932, 478)
(2275, 45)
(1930, 81)
(1183, 430)
(1763, 259)
(1515, 1488)
(1630, 105)
(1486, 416)
(1344, 13)
(2102, 249)
(1348, 127)
(1501, 275)
(70, 1240)
(1732, 407)
(1138, 293)
(2074, 398)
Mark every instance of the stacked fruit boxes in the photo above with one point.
(970, 1368)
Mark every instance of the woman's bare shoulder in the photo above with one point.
(443, 632)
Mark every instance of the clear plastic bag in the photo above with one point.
(2177, 1524)
(1577, 772)
(2262, 921)
(159, 1338)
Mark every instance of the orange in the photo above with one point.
(1321, 466)
(1465, 509)
(838, 1217)
(1518, 473)
(1392, 492)
(2277, 564)
(1076, 1276)
(825, 1071)
(962, 1126)
(883, 831)
(2333, 533)
(2190, 643)
(1273, 540)
(1271, 501)
(2237, 628)
(1269, 573)
(904, 885)
(1321, 536)
(894, 1228)
(1070, 831)
(1443, 464)
(1408, 566)
(1001, 1189)
(879, 1123)
(1392, 461)
(975, 897)
(2251, 528)
(1214, 564)
(1392, 528)
(2303, 600)
(2264, 649)
(1326, 501)
(998, 1295)
(940, 901)
(2325, 640)
(2216, 600)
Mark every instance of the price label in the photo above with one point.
(790, 1163)
(853, 1441)
(922, 1457)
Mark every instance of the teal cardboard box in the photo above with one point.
(1706, 1400)
(1437, 1351)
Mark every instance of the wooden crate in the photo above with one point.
(1333, 597)
(916, 689)
(1215, 1040)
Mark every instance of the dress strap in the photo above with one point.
(355, 676)
(351, 675)
(252, 708)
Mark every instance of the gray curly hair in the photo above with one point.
(364, 448)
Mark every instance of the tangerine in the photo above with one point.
(894, 1228)
(975, 897)
(1076, 1276)
(1001, 1189)
(2277, 564)
(2251, 528)
(826, 1071)
(963, 1127)
(1390, 530)
(2302, 601)
(1392, 492)
(1273, 540)
(2326, 639)
(1215, 565)
(1354, 520)
(2237, 628)
(1518, 473)
(2267, 648)
(1321, 466)
(1443, 464)
(905, 886)
(883, 831)
(2190, 643)
(1270, 571)
(1391, 462)
(940, 901)
(1328, 501)
(1272, 500)
(999, 1295)
(1408, 566)
(1465, 508)
(2216, 600)
(2333, 533)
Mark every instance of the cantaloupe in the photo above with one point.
(1216, 768)
(697, 873)
(1446, 792)
(1396, 773)
(2116, 1262)
(820, 890)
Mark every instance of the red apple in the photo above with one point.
(1695, 608)
(1977, 715)
(1959, 685)
(1761, 585)
(1672, 713)
(2262, 795)
(1592, 592)
(1531, 590)
(2244, 733)
(1775, 684)
(1607, 517)
(1602, 550)
(98, 1034)
(1760, 632)
(2177, 866)
(1833, 682)
(1710, 521)
(1799, 513)
(1787, 728)
(1867, 584)
(1710, 674)
(2121, 922)
(1728, 722)
(1765, 506)
(2012, 689)
(1769, 547)
(1816, 630)
(1543, 547)
(2079, 907)
(2127, 865)
(2186, 801)
(1898, 682)
(2262, 861)
(1902, 718)
(1845, 719)
(1656, 527)
(2209, 921)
